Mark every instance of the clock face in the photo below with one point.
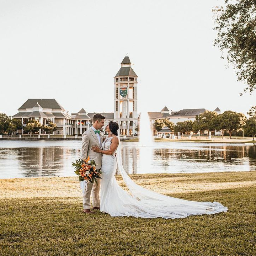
(123, 92)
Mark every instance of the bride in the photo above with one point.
(139, 202)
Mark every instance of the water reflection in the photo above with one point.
(186, 157)
(54, 158)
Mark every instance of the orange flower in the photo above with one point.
(88, 158)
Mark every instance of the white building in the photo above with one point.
(45, 110)
(125, 98)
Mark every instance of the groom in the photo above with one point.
(92, 138)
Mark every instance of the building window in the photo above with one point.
(131, 123)
(116, 105)
(133, 93)
(133, 106)
(116, 93)
(116, 79)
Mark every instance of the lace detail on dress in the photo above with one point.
(141, 202)
(106, 145)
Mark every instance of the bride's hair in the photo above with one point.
(113, 127)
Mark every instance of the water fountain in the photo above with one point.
(146, 142)
(145, 134)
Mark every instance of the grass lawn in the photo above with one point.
(55, 225)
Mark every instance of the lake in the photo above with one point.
(20, 159)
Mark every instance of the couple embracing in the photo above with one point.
(109, 197)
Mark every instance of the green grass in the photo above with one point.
(56, 226)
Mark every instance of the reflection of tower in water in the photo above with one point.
(129, 159)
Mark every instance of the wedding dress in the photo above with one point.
(141, 202)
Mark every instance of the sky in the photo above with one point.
(71, 51)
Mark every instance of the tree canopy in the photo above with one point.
(236, 38)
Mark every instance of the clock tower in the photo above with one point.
(125, 95)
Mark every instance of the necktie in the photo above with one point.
(97, 131)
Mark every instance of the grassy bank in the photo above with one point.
(53, 224)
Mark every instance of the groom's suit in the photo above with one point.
(90, 139)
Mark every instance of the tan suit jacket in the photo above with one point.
(89, 140)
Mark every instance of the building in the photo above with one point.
(176, 116)
(49, 110)
(45, 111)
(125, 98)
(81, 122)
(186, 115)
(125, 109)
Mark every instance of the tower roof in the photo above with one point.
(126, 60)
(217, 109)
(126, 71)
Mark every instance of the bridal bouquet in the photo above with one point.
(86, 169)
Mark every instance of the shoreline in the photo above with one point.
(236, 140)
(170, 184)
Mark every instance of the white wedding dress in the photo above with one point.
(141, 202)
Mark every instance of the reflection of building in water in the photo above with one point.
(129, 159)
(209, 153)
(41, 161)
(134, 158)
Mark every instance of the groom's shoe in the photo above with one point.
(87, 211)
(96, 208)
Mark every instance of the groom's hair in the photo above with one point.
(97, 117)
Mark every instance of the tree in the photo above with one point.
(250, 127)
(208, 118)
(236, 35)
(4, 123)
(14, 125)
(231, 121)
(49, 128)
(33, 127)
(252, 112)
(169, 124)
(159, 124)
(204, 121)
(184, 127)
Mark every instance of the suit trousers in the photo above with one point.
(94, 190)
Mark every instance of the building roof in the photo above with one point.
(37, 114)
(22, 114)
(216, 109)
(165, 109)
(49, 114)
(59, 115)
(189, 112)
(158, 115)
(82, 111)
(126, 60)
(44, 103)
(107, 115)
(82, 117)
(126, 71)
